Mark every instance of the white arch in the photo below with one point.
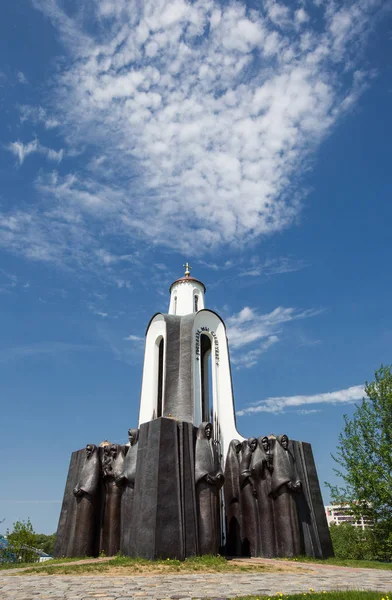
(222, 401)
(148, 401)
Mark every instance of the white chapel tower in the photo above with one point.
(186, 373)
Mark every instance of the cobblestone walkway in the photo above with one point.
(175, 587)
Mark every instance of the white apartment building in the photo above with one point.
(340, 513)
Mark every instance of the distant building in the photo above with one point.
(7, 555)
(340, 513)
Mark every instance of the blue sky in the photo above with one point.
(252, 140)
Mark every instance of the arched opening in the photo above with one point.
(161, 348)
(206, 376)
(196, 300)
(175, 305)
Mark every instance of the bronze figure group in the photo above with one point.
(105, 491)
(103, 497)
(266, 503)
(262, 490)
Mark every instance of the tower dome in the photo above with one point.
(186, 294)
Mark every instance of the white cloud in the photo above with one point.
(21, 151)
(248, 326)
(280, 403)
(55, 155)
(134, 338)
(273, 266)
(37, 114)
(211, 111)
(22, 78)
(301, 16)
(260, 331)
(248, 359)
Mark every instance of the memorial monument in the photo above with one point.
(187, 482)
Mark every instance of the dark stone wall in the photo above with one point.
(164, 516)
(68, 508)
(322, 547)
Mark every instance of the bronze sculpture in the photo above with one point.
(208, 479)
(262, 467)
(113, 497)
(249, 509)
(83, 530)
(284, 487)
(232, 495)
(112, 470)
(127, 479)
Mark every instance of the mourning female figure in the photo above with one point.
(84, 537)
(262, 468)
(249, 510)
(232, 499)
(285, 487)
(127, 479)
(208, 479)
(112, 467)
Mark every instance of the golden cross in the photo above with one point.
(188, 269)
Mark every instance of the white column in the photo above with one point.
(149, 393)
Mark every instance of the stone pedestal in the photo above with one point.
(317, 539)
(164, 523)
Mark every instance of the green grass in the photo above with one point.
(216, 564)
(137, 566)
(345, 562)
(53, 561)
(351, 595)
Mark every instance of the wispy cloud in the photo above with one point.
(260, 331)
(39, 349)
(22, 78)
(21, 151)
(248, 272)
(121, 349)
(198, 116)
(37, 114)
(250, 358)
(10, 281)
(280, 404)
(134, 338)
(216, 267)
(272, 266)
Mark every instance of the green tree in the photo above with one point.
(45, 542)
(364, 456)
(352, 542)
(21, 541)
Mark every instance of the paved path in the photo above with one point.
(220, 585)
